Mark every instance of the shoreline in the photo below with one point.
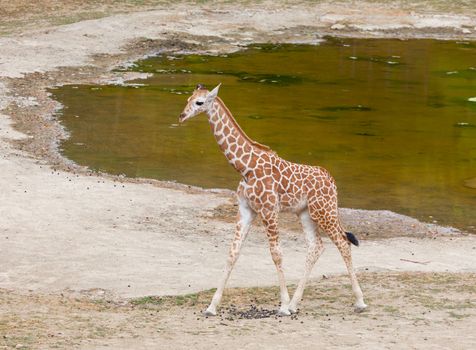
(46, 149)
(28, 83)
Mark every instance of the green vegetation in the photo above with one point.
(191, 299)
(153, 300)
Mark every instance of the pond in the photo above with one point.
(393, 121)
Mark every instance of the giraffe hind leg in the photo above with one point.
(329, 223)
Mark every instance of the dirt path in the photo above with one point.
(65, 230)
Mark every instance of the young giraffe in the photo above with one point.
(270, 184)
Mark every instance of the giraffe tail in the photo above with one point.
(352, 239)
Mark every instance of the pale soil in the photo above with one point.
(64, 229)
(408, 311)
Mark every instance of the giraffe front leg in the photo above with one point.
(277, 257)
(270, 220)
(245, 218)
(315, 247)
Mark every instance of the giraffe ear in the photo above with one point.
(213, 94)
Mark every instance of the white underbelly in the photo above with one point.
(295, 206)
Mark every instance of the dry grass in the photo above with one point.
(21, 15)
(416, 301)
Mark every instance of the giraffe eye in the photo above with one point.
(199, 103)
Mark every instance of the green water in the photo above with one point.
(390, 119)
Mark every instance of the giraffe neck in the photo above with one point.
(234, 143)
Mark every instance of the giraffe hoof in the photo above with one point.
(209, 313)
(359, 308)
(293, 310)
(283, 312)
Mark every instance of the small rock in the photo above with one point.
(466, 31)
(338, 26)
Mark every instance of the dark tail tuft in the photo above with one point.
(352, 239)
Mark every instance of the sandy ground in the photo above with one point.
(68, 236)
(409, 311)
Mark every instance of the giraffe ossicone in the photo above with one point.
(270, 184)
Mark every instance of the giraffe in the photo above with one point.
(270, 184)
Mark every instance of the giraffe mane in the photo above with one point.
(240, 130)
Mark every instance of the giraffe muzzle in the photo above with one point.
(182, 117)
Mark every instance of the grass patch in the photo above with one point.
(148, 300)
(391, 309)
(395, 295)
(77, 17)
(457, 316)
(188, 299)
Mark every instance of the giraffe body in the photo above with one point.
(269, 185)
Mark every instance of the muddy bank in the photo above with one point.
(85, 52)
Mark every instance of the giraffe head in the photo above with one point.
(200, 101)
